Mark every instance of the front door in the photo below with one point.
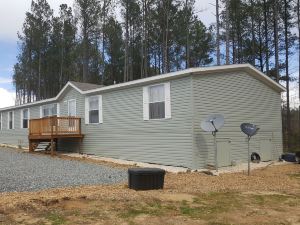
(224, 152)
(71, 113)
(72, 107)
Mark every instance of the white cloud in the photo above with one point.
(205, 10)
(12, 15)
(5, 80)
(6, 98)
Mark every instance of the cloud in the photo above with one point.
(14, 12)
(6, 98)
(5, 80)
(6, 69)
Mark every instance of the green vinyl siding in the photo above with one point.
(240, 98)
(178, 141)
(125, 135)
(18, 135)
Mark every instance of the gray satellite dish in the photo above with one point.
(250, 130)
(212, 124)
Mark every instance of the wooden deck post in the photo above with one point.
(30, 146)
(52, 147)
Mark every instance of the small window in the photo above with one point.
(94, 109)
(10, 120)
(25, 118)
(157, 102)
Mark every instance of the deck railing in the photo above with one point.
(55, 126)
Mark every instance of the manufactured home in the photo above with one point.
(156, 119)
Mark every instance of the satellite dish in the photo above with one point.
(249, 129)
(212, 123)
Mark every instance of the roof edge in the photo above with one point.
(182, 73)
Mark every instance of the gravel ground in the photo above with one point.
(28, 172)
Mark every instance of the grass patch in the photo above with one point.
(295, 175)
(269, 199)
(153, 208)
(55, 218)
(208, 206)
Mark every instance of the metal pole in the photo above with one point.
(248, 156)
(216, 151)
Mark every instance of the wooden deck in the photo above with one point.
(52, 129)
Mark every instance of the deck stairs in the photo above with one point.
(43, 146)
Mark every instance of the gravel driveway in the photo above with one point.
(28, 172)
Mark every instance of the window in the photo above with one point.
(157, 102)
(10, 120)
(49, 110)
(93, 110)
(24, 118)
(0, 121)
(72, 107)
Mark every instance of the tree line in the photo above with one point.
(92, 43)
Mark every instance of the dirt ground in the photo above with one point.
(269, 196)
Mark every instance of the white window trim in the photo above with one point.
(146, 101)
(69, 106)
(13, 120)
(22, 127)
(87, 110)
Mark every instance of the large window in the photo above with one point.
(94, 109)
(49, 110)
(10, 120)
(157, 102)
(25, 118)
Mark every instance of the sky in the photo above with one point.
(12, 14)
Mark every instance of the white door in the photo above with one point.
(265, 151)
(72, 113)
(72, 107)
(224, 152)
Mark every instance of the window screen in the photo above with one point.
(157, 102)
(10, 120)
(25, 118)
(94, 109)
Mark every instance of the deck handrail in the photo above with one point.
(55, 125)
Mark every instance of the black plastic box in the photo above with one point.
(146, 178)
